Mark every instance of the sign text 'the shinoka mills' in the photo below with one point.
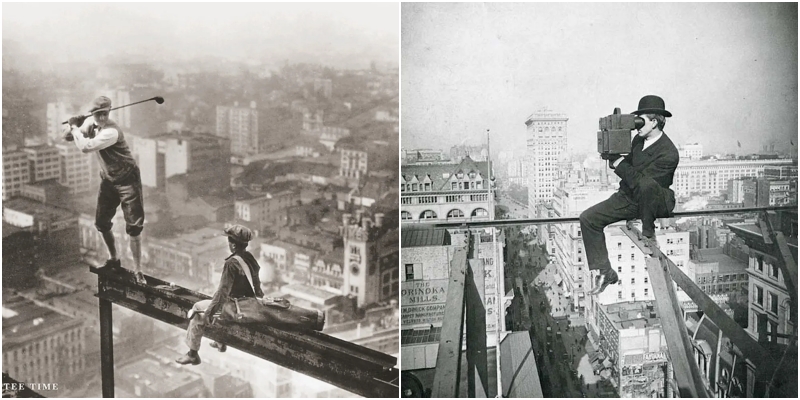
(423, 301)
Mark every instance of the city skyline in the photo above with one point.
(490, 66)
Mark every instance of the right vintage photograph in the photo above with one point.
(599, 200)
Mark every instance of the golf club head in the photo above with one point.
(159, 100)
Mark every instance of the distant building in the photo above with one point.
(712, 176)
(371, 258)
(170, 154)
(266, 210)
(47, 192)
(55, 229)
(79, 171)
(240, 125)
(546, 142)
(40, 345)
(718, 273)
(421, 156)
(43, 162)
(516, 172)
(148, 378)
(196, 257)
(691, 151)
(16, 171)
(354, 163)
(476, 153)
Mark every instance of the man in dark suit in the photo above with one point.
(644, 191)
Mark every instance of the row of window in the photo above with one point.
(633, 293)
(454, 213)
(758, 299)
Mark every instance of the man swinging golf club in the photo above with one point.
(121, 181)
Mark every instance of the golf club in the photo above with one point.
(158, 99)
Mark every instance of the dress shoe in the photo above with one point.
(603, 280)
(115, 265)
(189, 358)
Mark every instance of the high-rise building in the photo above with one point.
(570, 256)
(546, 142)
(353, 162)
(712, 176)
(240, 125)
(44, 162)
(516, 172)
(171, 154)
(76, 169)
(16, 171)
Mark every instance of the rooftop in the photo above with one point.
(23, 320)
(440, 173)
(155, 377)
(630, 315)
(726, 263)
(39, 210)
(309, 293)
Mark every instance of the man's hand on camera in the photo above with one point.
(77, 121)
(612, 160)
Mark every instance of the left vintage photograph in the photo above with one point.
(200, 200)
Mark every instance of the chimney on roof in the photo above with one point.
(378, 220)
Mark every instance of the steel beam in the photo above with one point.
(343, 364)
(477, 362)
(561, 220)
(681, 351)
(106, 348)
(747, 345)
(448, 361)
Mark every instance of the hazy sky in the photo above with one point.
(727, 72)
(175, 30)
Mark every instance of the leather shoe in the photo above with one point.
(221, 347)
(603, 280)
(188, 358)
(139, 277)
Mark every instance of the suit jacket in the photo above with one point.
(657, 162)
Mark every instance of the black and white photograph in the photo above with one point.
(598, 200)
(200, 200)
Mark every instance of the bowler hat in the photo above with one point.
(101, 103)
(651, 104)
(239, 233)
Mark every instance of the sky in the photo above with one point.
(170, 31)
(726, 71)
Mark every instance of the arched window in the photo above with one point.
(427, 214)
(405, 215)
(455, 213)
(480, 212)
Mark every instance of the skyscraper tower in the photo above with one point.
(546, 142)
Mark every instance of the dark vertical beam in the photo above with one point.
(477, 363)
(681, 352)
(106, 348)
(448, 361)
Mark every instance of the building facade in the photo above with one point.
(44, 162)
(16, 172)
(712, 176)
(240, 125)
(445, 192)
(546, 142)
(77, 172)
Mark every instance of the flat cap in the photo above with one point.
(239, 233)
(101, 103)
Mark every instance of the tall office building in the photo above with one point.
(76, 168)
(546, 142)
(240, 125)
(43, 162)
(16, 172)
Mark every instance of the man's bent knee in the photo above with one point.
(103, 227)
(133, 230)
